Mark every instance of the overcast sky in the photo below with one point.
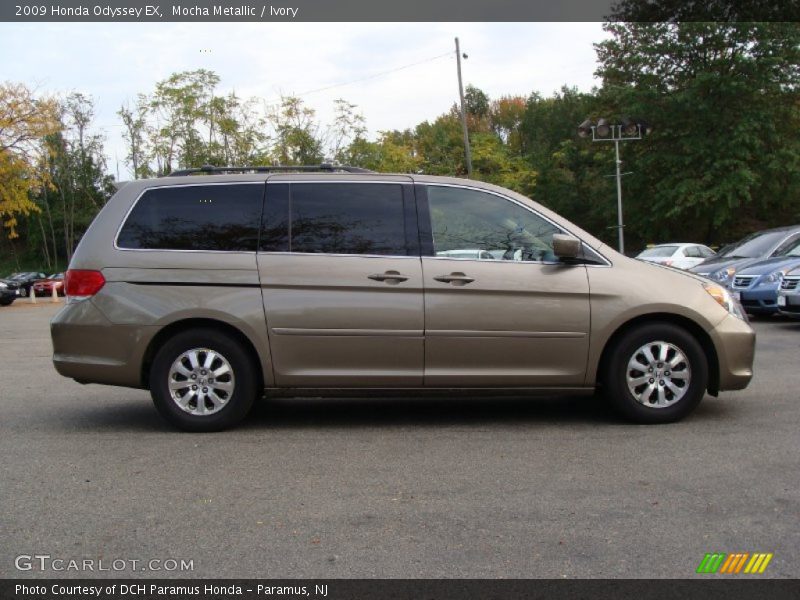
(113, 62)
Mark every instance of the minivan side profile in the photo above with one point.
(212, 290)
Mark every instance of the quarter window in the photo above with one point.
(466, 222)
(195, 217)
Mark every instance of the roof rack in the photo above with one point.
(212, 170)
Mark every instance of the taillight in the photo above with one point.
(81, 283)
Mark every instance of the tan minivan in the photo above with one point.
(214, 287)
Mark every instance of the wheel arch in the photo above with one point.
(182, 325)
(685, 323)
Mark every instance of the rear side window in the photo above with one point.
(195, 217)
(335, 218)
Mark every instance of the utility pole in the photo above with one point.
(603, 131)
(467, 152)
(620, 226)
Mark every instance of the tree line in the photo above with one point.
(723, 158)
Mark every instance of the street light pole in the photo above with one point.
(603, 131)
(619, 200)
(467, 152)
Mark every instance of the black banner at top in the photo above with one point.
(400, 11)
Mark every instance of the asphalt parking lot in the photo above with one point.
(395, 488)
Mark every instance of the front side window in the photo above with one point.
(477, 224)
(195, 217)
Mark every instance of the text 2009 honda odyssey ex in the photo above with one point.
(211, 290)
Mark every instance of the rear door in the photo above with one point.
(520, 319)
(342, 283)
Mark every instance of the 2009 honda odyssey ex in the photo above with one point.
(211, 290)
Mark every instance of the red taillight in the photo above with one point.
(80, 282)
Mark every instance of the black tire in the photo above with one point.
(245, 372)
(6, 301)
(615, 375)
(23, 292)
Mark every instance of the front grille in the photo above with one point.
(790, 283)
(743, 281)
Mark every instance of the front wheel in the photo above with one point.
(656, 373)
(23, 292)
(203, 380)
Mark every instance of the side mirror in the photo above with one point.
(566, 246)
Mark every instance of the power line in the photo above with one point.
(275, 102)
(373, 76)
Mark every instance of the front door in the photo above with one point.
(500, 309)
(342, 284)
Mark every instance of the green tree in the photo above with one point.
(24, 121)
(723, 98)
(298, 140)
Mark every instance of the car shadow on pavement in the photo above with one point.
(349, 413)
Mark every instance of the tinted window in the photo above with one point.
(467, 221)
(347, 218)
(275, 222)
(195, 217)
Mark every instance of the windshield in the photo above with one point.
(658, 252)
(789, 248)
(754, 245)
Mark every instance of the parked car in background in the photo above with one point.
(25, 281)
(44, 287)
(789, 294)
(757, 286)
(750, 249)
(678, 255)
(9, 291)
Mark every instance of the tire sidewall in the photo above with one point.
(615, 377)
(244, 370)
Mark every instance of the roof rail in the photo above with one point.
(212, 170)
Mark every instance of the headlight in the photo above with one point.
(724, 299)
(724, 275)
(3, 286)
(775, 277)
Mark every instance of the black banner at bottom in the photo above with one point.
(397, 589)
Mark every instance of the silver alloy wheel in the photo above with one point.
(201, 381)
(658, 374)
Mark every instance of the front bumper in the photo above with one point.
(735, 342)
(762, 301)
(792, 306)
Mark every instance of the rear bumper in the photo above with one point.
(735, 342)
(90, 349)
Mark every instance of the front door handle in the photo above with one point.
(455, 278)
(390, 277)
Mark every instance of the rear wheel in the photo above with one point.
(6, 301)
(656, 373)
(203, 380)
(23, 292)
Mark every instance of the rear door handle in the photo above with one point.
(455, 279)
(390, 277)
